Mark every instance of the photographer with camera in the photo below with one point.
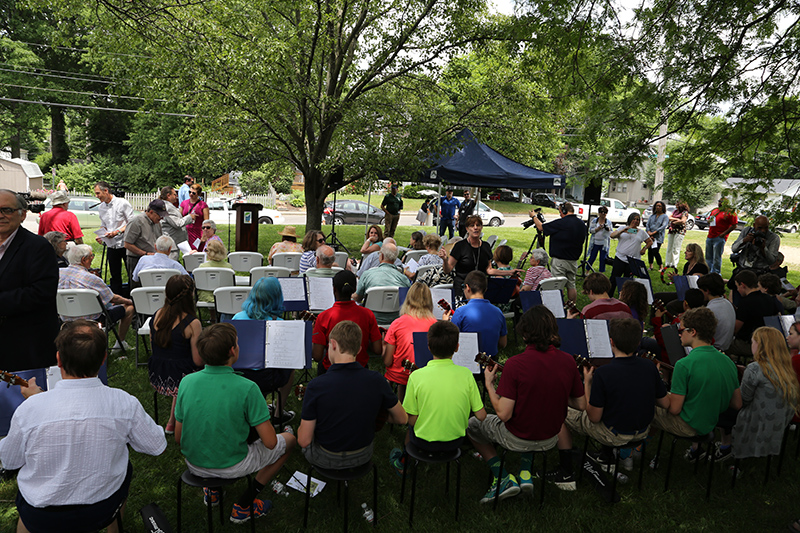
(566, 244)
(756, 249)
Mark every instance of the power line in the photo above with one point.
(76, 106)
(34, 69)
(102, 95)
(79, 49)
(55, 76)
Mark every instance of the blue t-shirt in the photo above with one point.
(566, 237)
(484, 318)
(449, 207)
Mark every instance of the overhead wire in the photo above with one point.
(77, 106)
(85, 93)
(56, 76)
(79, 49)
(42, 69)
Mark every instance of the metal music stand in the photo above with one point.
(584, 266)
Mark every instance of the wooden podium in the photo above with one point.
(247, 227)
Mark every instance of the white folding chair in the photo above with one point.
(414, 254)
(305, 274)
(157, 277)
(209, 279)
(421, 270)
(229, 300)
(443, 286)
(383, 300)
(78, 303)
(341, 259)
(268, 272)
(290, 260)
(491, 239)
(245, 262)
(555, 283)
(502, 242)
(146, 301)
(192, 261)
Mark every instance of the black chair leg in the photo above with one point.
(155, 406)
(735, 472)
(458, 485)
(404, 460)
(374, 495)
(499, 478)
(308, 496)
(544, 475)
(346, 502)
(769, 464)
(210, 517)
(180, 483)
(614, 474)
(783, 450)
(669, 464)
(413, 494)
(710, 468)
(642, 463)
(583, 457)
(447, 480)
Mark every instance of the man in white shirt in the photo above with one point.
(115, 213)
(71, 443)
(713, 288)
(160, 259)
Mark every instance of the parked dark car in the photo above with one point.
(506, 195)
(547, 199)
(352, 212)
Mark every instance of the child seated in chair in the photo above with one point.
(215, 412)
(439, 397)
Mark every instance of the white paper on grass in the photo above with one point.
(468, 348)
(320, 293)
(298, 482)
(412, 266)
(285, 344)
(551, 299)
(692, 281)
(597, 339)
(646, 283)
(292, 289)
(439, 294)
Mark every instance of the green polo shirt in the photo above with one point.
(217, 408)
(392, 203)
(707, 378)
(442, 395)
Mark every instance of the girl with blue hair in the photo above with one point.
(265, 302)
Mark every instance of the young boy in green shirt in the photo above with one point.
(440, 397)
(215, 410)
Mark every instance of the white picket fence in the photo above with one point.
(141, 201)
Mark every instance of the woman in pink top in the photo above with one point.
(195, 204)
(416, 315)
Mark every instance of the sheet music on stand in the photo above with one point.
(281, 344)
(441, 294)
(551, 299)
(644, 281)
(468, 348)
(294, 294)
(692, 281)
(588, 338)
(597, 340)
(320, 293)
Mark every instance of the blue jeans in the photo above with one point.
(715, 247)
(603, 255)
(446, 224)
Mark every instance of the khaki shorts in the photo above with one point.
(258, 456)
(565, 268)
(493, 430)
(672, 424)
(578, 422)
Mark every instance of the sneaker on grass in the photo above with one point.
(508, 488)
(722, 454)
(526, 481)
(119, 347)
(396, 461)
(240, 515)
(563, 480)
(694, 454)
(210, 494)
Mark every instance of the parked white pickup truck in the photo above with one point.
(617, 212)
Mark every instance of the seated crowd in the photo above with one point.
(539, 398)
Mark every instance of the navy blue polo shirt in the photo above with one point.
(566, 237)
(484, 318)
(449, 207)
(345, 401)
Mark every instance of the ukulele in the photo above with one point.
(484, 360)
(658, 305)
(306, 316)
(12, 379)
(300, 391)
(409, 366)
(664, 366)
(570, 307)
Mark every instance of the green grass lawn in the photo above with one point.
(751, 507)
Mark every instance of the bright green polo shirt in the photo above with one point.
(443, 395)
(217, 408)
(707, 378)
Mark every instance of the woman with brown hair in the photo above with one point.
(675, 234)
(196, 205)
(313, 240)
(175, 329)
(374, 240)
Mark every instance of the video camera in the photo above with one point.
(35, 200)
(759, 238)
(528, 223)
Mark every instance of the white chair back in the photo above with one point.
(341, 259)
(555, 283)
(443, 286)
(208, 279)
(229, 300)
(245, 261)
(383, 299)
(268, 272)
(502, 242)
(157, 277)
(414, 254)
(491, 239)
(148, 300)
(290, 260)
(192, 261)
(421, 270)
(73, 303)
(335, 269)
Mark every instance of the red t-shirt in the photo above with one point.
(59, 219)
(722, 221)
(540, 383)
(401, 336)
(347, 311)
(606, 309)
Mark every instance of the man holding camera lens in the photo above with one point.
(755, 249)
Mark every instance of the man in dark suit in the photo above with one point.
(28, 285)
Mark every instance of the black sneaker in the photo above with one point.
(562, 479)
(694, 454)
(722, 454)
(603, 460)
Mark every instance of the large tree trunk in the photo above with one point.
(59, 149)
(315, 198)
(15, 145)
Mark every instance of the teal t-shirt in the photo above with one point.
(707, 378)
(217, 408)
(442, 395)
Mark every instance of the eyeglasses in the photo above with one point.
(8, 211)
(206, 227)
(320, 240)
(193, 192)
(681, 330)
